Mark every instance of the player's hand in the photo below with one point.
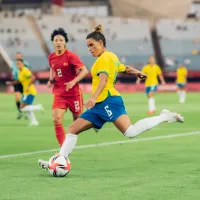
(27, 89)
(141, 75)
(70, 85)
(50, 84)
(163, 83)
(90, 103)
(8, 83)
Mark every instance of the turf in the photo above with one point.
(156, 169)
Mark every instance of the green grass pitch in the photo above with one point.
(164, 169)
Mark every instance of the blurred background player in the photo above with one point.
(67, 69)
(153, 71)
(18, 89)
(26, 78)
(105, 103)
(181, 81)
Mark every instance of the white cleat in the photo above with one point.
(43, 164)
(41, 108)
(36, 123)
(171, 116)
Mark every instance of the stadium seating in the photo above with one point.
(17, 36)
(179, 43)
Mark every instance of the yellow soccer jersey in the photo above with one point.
(181, 75)
(152, 73)
(108, 63)
(24, 78)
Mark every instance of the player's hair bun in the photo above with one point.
(98, 28)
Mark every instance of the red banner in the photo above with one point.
(131, 88)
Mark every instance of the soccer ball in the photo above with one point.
(59, 166)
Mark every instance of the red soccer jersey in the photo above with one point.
(64, 67)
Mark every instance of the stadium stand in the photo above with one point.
(150, 9)
(16, 35)
(179, 41)
(130, 39)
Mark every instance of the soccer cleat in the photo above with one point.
(19, 116)
(151, 112)
(43, 164)
(36, 123)
(41, 108)
(171, 116)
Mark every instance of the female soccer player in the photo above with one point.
(66, 70)
(18, 89)
(181, 82)
(106, 104)
(26, 78)
(152, 71)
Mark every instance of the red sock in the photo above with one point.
(60, 133)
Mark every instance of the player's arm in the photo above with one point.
(159, 73)
(12, 82)
(162, 79)
(32, 79)
(92, 100)
(132, 71)
(51, 78)
(82, 72)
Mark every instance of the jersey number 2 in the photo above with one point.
(59, 72)
(76, 105)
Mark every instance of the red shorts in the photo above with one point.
(75, 103)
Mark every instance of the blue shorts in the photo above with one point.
(181, 85)
(152, 88)
(106, 111)
(28, 99)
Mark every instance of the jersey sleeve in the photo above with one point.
(121, 68)
(76, 61)
(159, 72)
(144, 70)
(103, 65)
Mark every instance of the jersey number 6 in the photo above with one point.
(59, 72)
(109, 112)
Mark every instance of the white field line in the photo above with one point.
(105, 144)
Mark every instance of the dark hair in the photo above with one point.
(97, 34)
(21, 60)
(59, 31)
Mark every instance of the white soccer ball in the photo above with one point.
(59, 166)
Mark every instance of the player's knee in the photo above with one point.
(131, 132)
(150, 94)
(57, 119)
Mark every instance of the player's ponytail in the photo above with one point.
(98, 28)
(97, 34)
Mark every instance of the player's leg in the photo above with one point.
(18, 90)
(17, 101)
(123, 123)
(58, 115)
(27, 100)
(69, 143)
(182, 94)
(74, 129)
(151, 100)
